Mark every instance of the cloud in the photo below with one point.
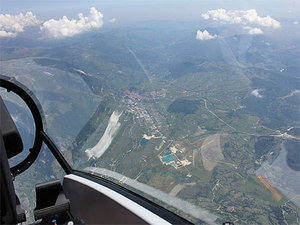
(256, 93)
(59, 29)
(245, 17)
(204, 35)
(255, 30)
(11, 25)
(112, 20)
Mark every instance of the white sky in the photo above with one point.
(140, 10)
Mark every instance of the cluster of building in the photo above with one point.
(174, 157)
(137, 108)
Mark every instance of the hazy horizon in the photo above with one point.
(134, 11)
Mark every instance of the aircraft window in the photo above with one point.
(191, 104)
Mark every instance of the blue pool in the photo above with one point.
(143, 142)
(168, 157)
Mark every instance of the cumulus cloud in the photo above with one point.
(112, 20)
(204, 35)
(245, 17)
(256, 93)
(254, 31)
(11, 25)
(64, 27)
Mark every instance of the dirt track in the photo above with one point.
(275, 193)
